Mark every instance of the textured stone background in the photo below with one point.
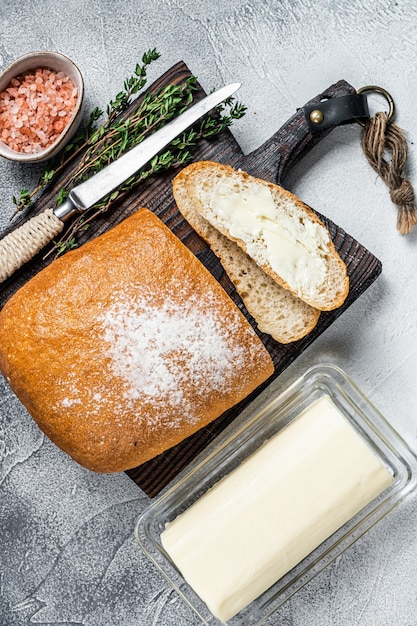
(67, 550)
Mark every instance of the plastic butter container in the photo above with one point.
(279, 500)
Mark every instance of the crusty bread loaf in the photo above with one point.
(278, 231)
(275, 309)
(123, 348)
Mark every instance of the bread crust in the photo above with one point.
(107, 347)
(336, 284)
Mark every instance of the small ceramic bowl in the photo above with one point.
(56, 62)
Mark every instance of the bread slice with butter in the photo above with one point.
(276, 310)
(272, 226)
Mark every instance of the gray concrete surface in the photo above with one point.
(67, 552)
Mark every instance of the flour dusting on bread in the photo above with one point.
(163, 353)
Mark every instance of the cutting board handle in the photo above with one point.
(273, 159)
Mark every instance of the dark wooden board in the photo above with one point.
(271, 161)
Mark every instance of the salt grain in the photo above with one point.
(31, 102)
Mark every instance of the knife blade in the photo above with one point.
(104, 182)
(21, 245)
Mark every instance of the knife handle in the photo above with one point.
(25, 242)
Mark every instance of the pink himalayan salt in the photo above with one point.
(35, 108)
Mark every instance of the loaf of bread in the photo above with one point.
(276, 310)
(123, 348)
(279, 232)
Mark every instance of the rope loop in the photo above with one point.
(385, 146)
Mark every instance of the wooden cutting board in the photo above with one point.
(271, 161)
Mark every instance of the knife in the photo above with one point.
(21, 245)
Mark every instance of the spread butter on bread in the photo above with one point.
(276, 310)
(126, 346)
(276, 229)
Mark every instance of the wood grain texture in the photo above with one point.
(271, 161)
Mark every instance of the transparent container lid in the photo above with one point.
(319, 381)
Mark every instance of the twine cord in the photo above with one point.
(21, 245)
(380, 137)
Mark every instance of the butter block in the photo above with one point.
(268, 514)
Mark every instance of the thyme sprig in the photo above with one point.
(100, 144)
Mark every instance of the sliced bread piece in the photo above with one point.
(276, 229)
(276, 311)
